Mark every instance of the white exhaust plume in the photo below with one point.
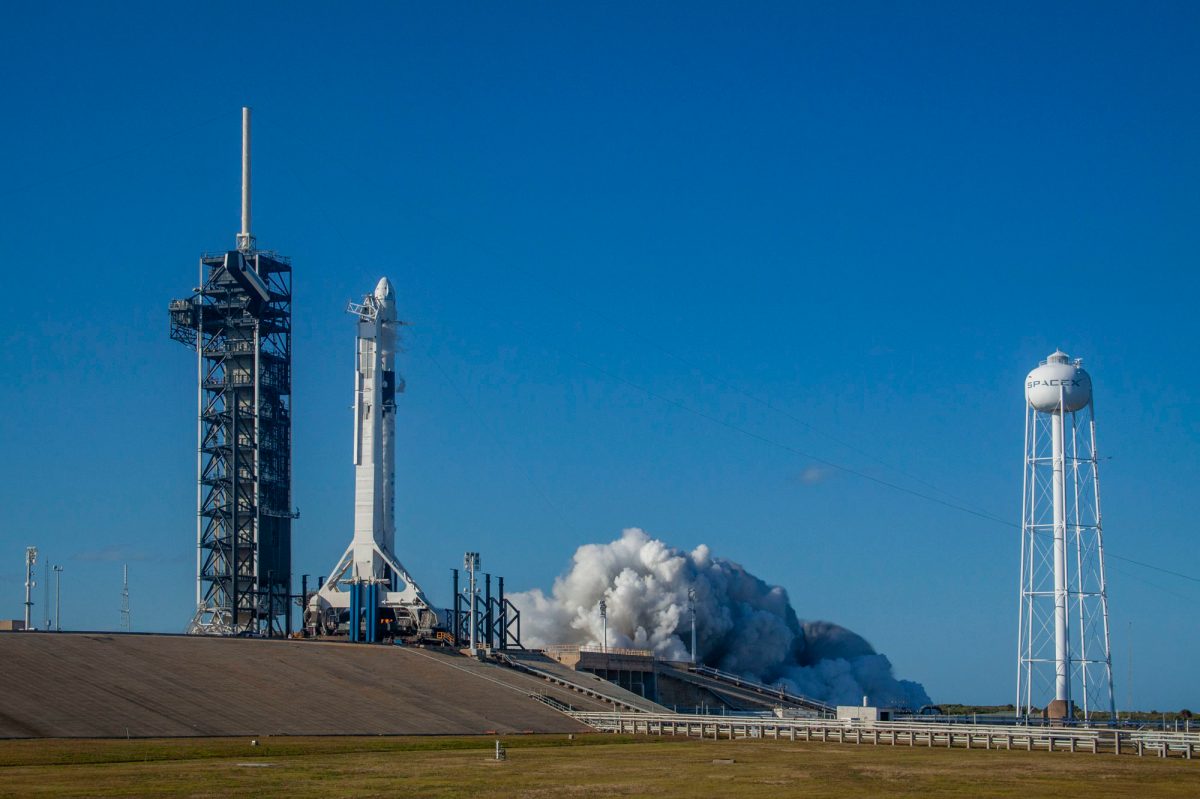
(744, 626)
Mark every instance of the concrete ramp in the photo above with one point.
(581, 682)
(530, 684)
(69, 685)
(741, 694)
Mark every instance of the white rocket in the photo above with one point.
(369, 582)
(374, 431)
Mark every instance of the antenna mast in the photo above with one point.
(125, 600)
(30, 559)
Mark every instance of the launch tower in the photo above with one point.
(239, 323)
(1064, 663)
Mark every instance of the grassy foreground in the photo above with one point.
(553, 766)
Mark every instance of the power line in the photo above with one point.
(1156, 586)
(1155, 568)
(787, 447)
(609, 320)
(824, 461)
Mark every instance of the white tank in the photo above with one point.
(1056, 381)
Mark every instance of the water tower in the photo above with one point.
(1064, 664)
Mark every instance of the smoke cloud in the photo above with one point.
(743, 626)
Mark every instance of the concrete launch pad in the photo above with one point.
(82, 685)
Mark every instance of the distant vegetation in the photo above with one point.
(1008, 710)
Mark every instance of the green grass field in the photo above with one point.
(553, 766)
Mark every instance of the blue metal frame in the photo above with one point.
(355, 615)
(364, 607)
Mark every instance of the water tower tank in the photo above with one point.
(1058, 381)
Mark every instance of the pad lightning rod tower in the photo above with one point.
(1064, 663)
(471, 564)
(239, 323)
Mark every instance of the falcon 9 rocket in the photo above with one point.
(369, 595)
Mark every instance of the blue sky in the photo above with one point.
(874, 218)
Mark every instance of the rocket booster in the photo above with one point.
(369, 593)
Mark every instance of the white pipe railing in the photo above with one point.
(951, 736)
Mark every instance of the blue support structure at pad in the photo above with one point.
(364, 613)
(372, 613)
(355, 612)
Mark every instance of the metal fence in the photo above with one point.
(912, 734)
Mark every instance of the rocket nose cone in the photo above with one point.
(383, 290)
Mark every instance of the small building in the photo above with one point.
(10, 625)
(864, 713)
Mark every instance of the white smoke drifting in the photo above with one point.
(743, 626)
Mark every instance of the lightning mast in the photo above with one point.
(239, 323)
(471, 564)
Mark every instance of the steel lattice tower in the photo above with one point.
(1064, 662)
(239, 323)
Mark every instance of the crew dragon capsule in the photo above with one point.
(369, 595)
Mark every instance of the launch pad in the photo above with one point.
(239, 324)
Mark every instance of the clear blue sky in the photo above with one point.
(877, 217)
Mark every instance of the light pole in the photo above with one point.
(46, 595)
(604, 625)
(58, 570)
(692, 607)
